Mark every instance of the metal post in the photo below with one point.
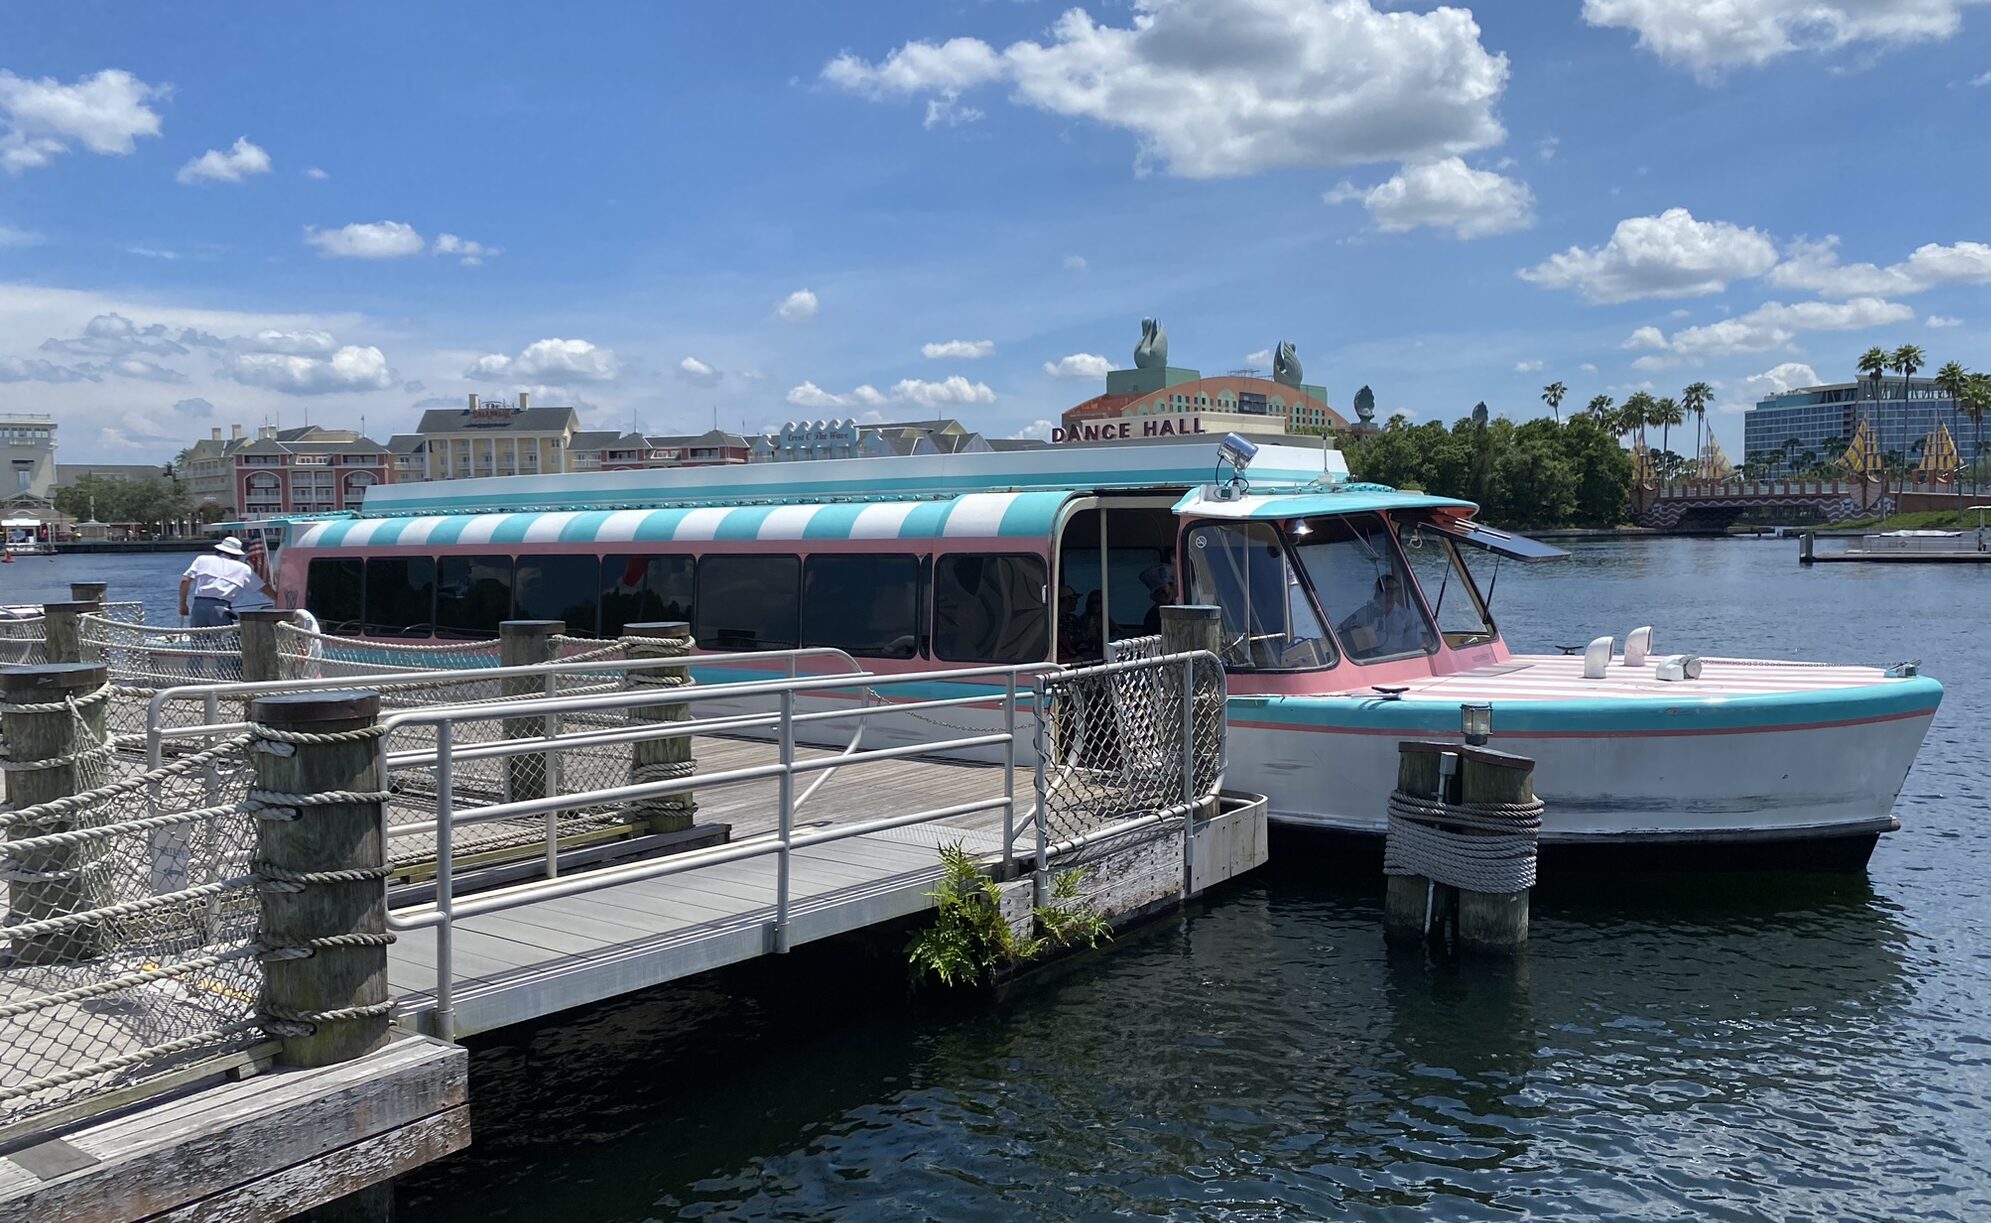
(1041, 876)
(445, 771)
(56, 881)
(1188, 772)
(325, 875)
(551, 729)
(786, 828)
(1009, 775)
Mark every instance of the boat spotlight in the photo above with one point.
(1236, 450)
(1476, 722)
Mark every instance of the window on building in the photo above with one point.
(644, 590)
(560, 588)
(473, 595)
(748, 603)
(332, 589)
(866, 605)
(990, 608)
(400, 596)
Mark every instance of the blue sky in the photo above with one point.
(669, 214)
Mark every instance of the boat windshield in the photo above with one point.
(1270, 622)
(1365, 592)
(1450, 590)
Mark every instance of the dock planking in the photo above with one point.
(553, 955)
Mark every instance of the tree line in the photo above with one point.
(1540, 473)
(149, 502)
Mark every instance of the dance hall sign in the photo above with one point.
(1130, 428)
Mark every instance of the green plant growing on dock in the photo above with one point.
(970, 941)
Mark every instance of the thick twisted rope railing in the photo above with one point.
(183, 958)
(1479, 847)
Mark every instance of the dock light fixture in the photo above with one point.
(1238, 451)
(1476, 722)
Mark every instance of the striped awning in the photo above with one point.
(1028, 515)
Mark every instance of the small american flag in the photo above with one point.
(258, 556)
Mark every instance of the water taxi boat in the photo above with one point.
(1352, 619)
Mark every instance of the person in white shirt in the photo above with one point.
(1385, 625)
(210, 586)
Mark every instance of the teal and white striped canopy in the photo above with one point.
(1012, 515)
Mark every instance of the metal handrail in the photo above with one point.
(441, 913)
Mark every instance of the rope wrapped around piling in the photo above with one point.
(1480, 847)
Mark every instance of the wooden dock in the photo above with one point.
(261, 1147)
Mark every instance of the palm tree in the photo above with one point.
(1905, 361)
(1636, 414)
(1552, 395)
(1872, 364)
(1600, 408)
(1666, 414)
(1951, 380)
(1975, 402)
(1695, 400)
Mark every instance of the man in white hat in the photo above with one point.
(214, 581)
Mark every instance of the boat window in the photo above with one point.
(866, 605)
(473, 595)
(1269, 620)
(1363, 587)
(990, 608)
(1450, 590)
(332, 592)
(748, 602)
(562, 588)
(400, 596)
(644, 590)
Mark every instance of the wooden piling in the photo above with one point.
(1191, 626)
(326, 888)
(37, 725)
(63, 631)
(1494, 921)
(1410, 901)
(1805, 555)
(661, 759)
(89, 592)
(527, 643)
(262, 660)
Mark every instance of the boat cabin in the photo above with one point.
(934, 561)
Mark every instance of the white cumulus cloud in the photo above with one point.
(1774, 325)
(351, 368)
(1710, 36)
(809, 395)
(697, 372)
(960, 350)
(114, 335)
(1527, 367)
(1444, 194)
(1079, 365)
(1035, 431)
(1939, 321)
(1075, 263)
(34, 369)
(367, 240)
(949, 391)
(42, 118)
(1670, 255)
(316, 174)
(1814, 267)
(468, 253)
(1214, 88)
(242, 160)
(797, 307)
(553, 361)
(1773, 381)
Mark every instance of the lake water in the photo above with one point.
(1723, 1046)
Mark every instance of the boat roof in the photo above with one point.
(1066, 469)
